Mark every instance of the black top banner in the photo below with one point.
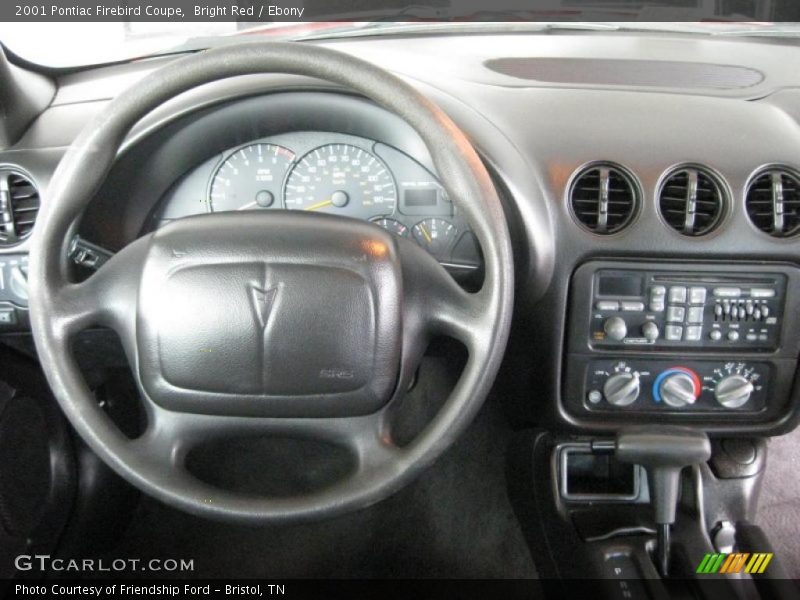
(266, 11)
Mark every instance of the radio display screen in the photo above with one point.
(610, 285)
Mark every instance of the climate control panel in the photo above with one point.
(665, 385)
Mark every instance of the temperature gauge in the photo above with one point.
(391, 225)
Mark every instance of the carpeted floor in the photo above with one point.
(779, 505)
(454, 522)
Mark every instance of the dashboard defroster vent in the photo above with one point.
(603, 198)
(19, 206)
(692, 201)
(773, 202)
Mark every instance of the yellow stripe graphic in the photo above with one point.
(755, 563)
(764, 564)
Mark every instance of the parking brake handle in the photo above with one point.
(663, 452)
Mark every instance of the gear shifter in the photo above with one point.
(663, 452)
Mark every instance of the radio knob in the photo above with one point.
(733, 391)
(622, 389)
(678, 390)
(650, 331)
(615, 328)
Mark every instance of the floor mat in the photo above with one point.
(455, 521)
(779, 505)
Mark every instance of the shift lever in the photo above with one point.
(663, 452)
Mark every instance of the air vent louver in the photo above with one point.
(691, 201)
(773, 202)
(19, 206)
(603, 198)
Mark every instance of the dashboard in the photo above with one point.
(621, 194)
(334, 173)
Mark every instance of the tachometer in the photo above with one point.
(250, 178)
(341, 179)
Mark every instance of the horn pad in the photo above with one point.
(270, 314)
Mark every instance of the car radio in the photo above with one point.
(664, 309)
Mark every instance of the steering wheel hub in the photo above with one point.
(280, 315)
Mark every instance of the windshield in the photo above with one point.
(88, 43)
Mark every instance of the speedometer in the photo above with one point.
(250, 178)
(341, 179)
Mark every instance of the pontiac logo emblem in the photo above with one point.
(262, 300)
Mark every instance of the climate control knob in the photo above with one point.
(615, 328)
(733, 391)
(621, 389)
(676, 387)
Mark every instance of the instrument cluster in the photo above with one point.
(334, 173)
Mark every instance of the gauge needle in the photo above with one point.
(425, 233)
(322, 204)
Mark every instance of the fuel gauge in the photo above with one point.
(435, 235)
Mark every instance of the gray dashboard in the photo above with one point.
(534, 131)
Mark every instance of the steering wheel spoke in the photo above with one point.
(171, 436)
(106, 299)
(434, 304)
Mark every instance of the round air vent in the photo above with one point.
(692, 201)
(19, 205)
(603, 198)
(773, 202)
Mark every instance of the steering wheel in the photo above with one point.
(270, 323)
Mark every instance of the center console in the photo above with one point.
(698, 342)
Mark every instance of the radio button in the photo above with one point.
(727, 292)
(697, 295)
(677, 294)
(676, 314)
(609, 305)
(673, 332)
(762, 293)
(693, 333)
(696, 314)
(632, 306)
(658, 291)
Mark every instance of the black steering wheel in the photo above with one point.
(320, 320)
